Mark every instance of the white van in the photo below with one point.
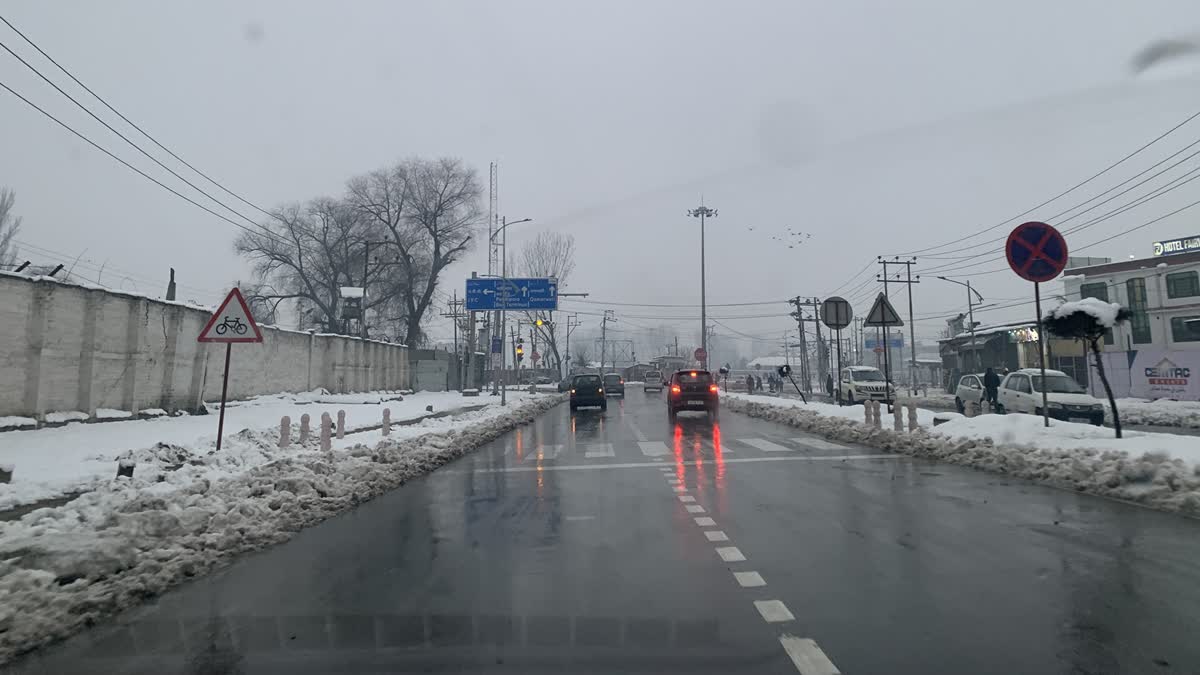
(863, 383)
(1021, 392)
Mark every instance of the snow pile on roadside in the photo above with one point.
(65, 568)
(1161, 412)
(1138, 468)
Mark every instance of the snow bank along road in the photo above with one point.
(616, 543)
(188, 509)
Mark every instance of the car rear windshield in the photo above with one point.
(653, 375)
(587, 381)
(695, 376)
(612, 378)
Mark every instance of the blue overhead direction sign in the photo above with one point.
(523, 294)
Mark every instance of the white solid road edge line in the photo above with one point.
(807, 656)
(773, 611)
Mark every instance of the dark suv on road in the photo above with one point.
(693, 390)
(614, 385)
(587, 390)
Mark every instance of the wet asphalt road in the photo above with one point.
(583, 547)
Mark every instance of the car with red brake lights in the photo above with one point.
(587, 390)
(693, 390)
(614, 385)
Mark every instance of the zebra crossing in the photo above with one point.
(659, 451)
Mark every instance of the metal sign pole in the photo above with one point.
(224, 393)
(1037, 301)
(838, 380)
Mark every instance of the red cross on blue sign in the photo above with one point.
(1036, 251)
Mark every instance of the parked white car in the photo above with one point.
(1021, 392)
(969, 390)
(863, 383)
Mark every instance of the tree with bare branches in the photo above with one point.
(552, 255)
(427, 210)
(10, 226)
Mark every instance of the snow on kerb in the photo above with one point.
(1105, 312)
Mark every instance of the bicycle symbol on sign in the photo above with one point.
(231, 322)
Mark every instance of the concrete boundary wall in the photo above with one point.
(70, 347)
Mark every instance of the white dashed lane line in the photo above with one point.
(686, 498)
(765, 445)
(749, 579)
(773, 611)
(716, 535)
(694, 508)
(730, 554)
(807, 656)
(705, 521)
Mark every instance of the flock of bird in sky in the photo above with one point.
(793, 238)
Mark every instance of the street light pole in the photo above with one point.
(971, 293)
(504, 281)
(703, 212)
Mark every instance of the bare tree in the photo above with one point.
(428, 210)
(312, 251)
(549, 254)
(10, 226)
(582, 358)
(1088, 320)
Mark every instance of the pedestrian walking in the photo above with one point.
(991, 386)
(829, 383)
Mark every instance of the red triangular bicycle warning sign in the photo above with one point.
(231, 322)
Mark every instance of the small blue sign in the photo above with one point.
(485, 295)
(895, 342)
(497, 344)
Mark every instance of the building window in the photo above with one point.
(1139, 323)
(1100, 292)
(1185, 329)
(1183, 285)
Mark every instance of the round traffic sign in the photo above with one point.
(836, 313)
(784, 370)
(1036, 251)
(700, 354)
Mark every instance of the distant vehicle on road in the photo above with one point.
(864, 383)
(970, 389)
(1021, 392)
(587, 391)
(543, 380)
(614, 385)
(654, 380)
(693, 390)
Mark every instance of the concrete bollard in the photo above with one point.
(969, 408)
(875, 419)
(125, 468)
(912, 417)
(867, 413)
(326, 423)
(898, 417)
(341, 428)
(6, 473)
(304, 428)
(387, 421)
(285, 431)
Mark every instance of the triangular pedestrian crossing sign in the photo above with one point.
(882, 313)
(231, 322)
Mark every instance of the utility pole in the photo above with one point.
(454, 314)
(609, 315)
(912, 333)
(805, 367)
(703, 212)
(572, 324)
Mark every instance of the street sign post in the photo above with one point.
(491, 294)
(786, 371)
(883, 316)
(1037, 252)
(701, 355)
(232, 322)
(837, 314)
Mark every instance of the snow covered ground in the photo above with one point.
(1157, 413)
(1159, 470)
(187, 509)
(52, 462)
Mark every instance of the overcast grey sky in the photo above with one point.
(876, 127)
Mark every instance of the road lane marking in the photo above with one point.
(680, 488)
(694, 508)
(765, 445)
(547, 452)
(749, 579)
(596, 450)
(581, 517)
(818, 444)
(773, 611)
(705, 521)
(716, 535)
(730, 554)
(686, 498)
(638, 465)
(637, 433)
(807, 656)
(653, 448)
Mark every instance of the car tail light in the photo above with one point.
(599, 391)
(713, 388)
(675, 389)
(572, 391)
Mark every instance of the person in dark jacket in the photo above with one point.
(991, 386)
(829, 383)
